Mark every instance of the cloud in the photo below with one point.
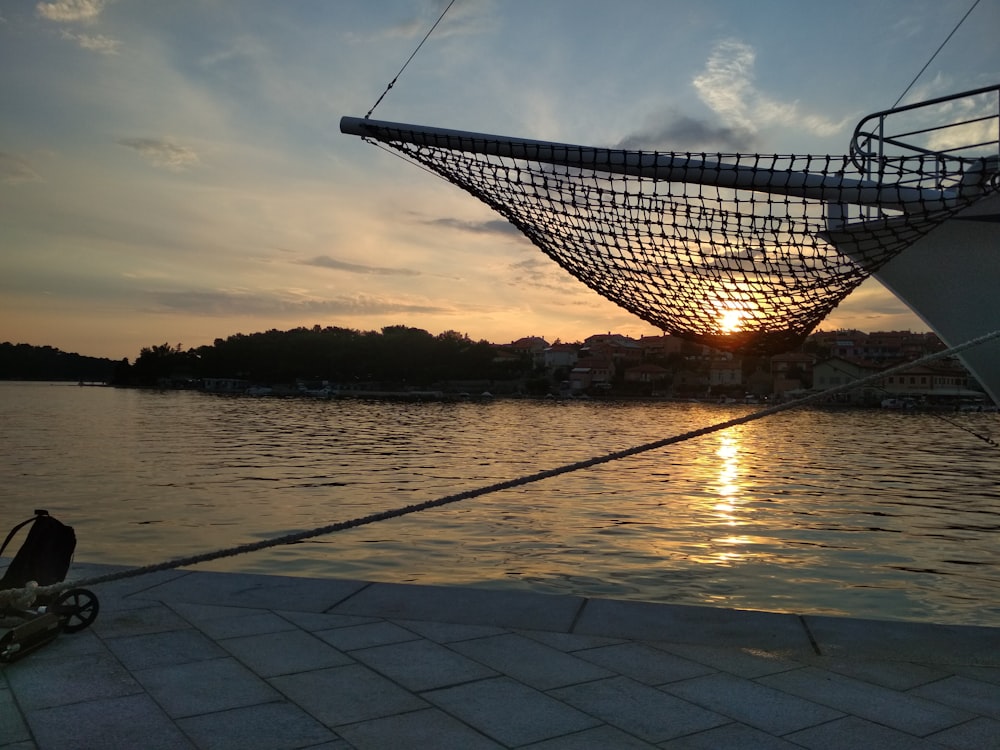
(15, 170)
(242, 48)
(462, 19)
(282, 304)
(325, 261)
(162, 152)
(500, 227)
(95, 43)
(68, 11)
(684, 133)
(542, 273)
(727, 86)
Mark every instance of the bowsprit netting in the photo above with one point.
(741, 253)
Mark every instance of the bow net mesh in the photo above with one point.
(696, 250)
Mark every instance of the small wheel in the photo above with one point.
(77, 609)
(8, 647)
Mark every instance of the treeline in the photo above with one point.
(27, 362)
(396, 354)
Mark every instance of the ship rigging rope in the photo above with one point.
(414, 54)
(17, 595)
(936, 52)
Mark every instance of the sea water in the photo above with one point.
(866, 513)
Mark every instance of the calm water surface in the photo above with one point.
(865, 513)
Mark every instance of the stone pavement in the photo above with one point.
(189, 659)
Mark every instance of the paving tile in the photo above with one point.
(509, 712)
(644, 663)
(960, 692)
(344, 695)
(908, 684)
(569, 641)
(272, 654)
(365, 636)
(447, 632)
(878, 704)
(851, 733)
(646, 712)
(693, 624)
(906, 641)
(161, 649)
(983, 674)
(742, 662)
(118, 594)
(229, 622)
(508, 609)
(253, 590)
(422, 665)
(68, 645)
(429, 728)
(252, 623)
(313, 621)
(271, 726)
(978, 734)
(198, 614)
(733, 736)
(897, 675)
(762, 707)
(46, 683)
(205, 686)
(132, 721)
(598, 738)
(530, 662)
(12, 726)
(155, 618)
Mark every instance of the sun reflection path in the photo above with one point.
(728, 549)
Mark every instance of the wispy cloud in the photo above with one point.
(490, 226)
(15, 170)
(684, 133)
(94, 42)
(282, 304)
(727, 86)
(325, 261)
(242, 48)
(544, 274)
(68, 11)
(162, 152)
(462, 19)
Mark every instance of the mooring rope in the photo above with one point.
(987, 438)
(15, 594)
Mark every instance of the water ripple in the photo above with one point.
(873, 514)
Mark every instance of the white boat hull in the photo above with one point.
(951, 279)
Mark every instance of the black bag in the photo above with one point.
(45, 555)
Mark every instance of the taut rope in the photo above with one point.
(498, 486)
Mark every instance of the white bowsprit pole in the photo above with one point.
(670, 167)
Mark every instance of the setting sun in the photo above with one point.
(729, 320)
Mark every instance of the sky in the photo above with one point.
(174, 172)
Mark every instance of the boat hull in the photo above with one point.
(950, 278)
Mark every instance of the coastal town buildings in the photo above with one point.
(666, 365)
(606, 365)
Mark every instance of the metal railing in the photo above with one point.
(951, 143)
